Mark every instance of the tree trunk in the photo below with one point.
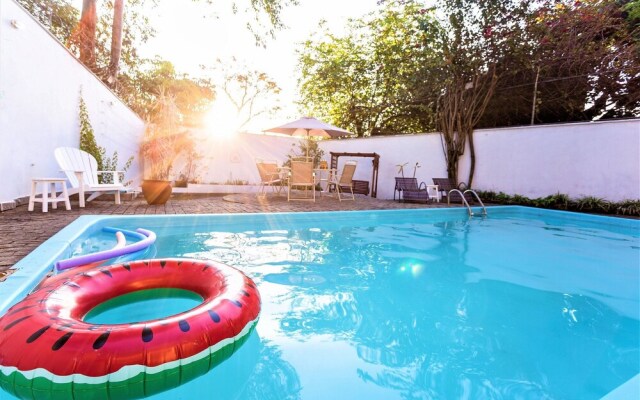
(472, 158)
(87, 37)
(116, 43)
(452, 168)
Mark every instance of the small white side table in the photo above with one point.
(434, 192)
(49, 193)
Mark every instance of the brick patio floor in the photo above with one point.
(22, 231)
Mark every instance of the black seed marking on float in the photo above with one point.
(179, 263)
(72, 284)
(16, 322)
(86, 275)
(37, 334)
(93, 328)
(245, 293)
(107, 273)
(206, 267)
(127, 267)
(101, 340)
(147, 334)
(236, 302)
(61, 342)
(17, 310)
(184, 326)
(214, 316)
(162, 264)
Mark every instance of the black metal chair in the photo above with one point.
(409, 190)
(446, 184)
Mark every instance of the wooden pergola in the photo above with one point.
(361, 187)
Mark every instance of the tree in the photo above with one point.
(59, 16)
(477, 36)
(116, 42)
(576, 61)
(191, 96)
(86, 33)
(362, 81)
(110, 47)
(252, 92)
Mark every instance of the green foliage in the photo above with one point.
(236, 182)
(593, 204)
(111, 164)
(89, 144)
(164, 139)
(87, 138)
(59, 16)
(140, 80)
(627, 207)
(191, 96)
(558, 201)
(363, 81)
(305, 148)
(584, 58)
(252, 92)
(264, 16)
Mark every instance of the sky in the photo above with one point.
(192, 34)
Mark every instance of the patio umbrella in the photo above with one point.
(309, 126)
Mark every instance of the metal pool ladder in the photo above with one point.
(466, 203)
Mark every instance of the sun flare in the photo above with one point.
(221, 121)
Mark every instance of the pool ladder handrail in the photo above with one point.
(466, 203)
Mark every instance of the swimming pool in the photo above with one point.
(415, 304)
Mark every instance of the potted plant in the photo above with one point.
(162, 144)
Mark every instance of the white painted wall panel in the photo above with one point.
(425, 149)
(233, 158)
(40, 85)
(599, 159)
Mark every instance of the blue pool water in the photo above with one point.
(522, 304)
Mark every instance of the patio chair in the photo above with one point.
(270, 176)
(302, 178)
(446, 184)
(409, 190)
(343, 185)
(81, 169)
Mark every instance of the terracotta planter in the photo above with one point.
(156, 192)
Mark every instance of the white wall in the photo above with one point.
(40, 83)
(233, 158)
(393, 150)
(599, 159)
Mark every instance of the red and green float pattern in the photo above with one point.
(48, 352)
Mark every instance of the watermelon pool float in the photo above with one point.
(48, 351)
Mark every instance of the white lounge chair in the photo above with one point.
(82, 172)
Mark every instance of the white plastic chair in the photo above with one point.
(81, 169)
